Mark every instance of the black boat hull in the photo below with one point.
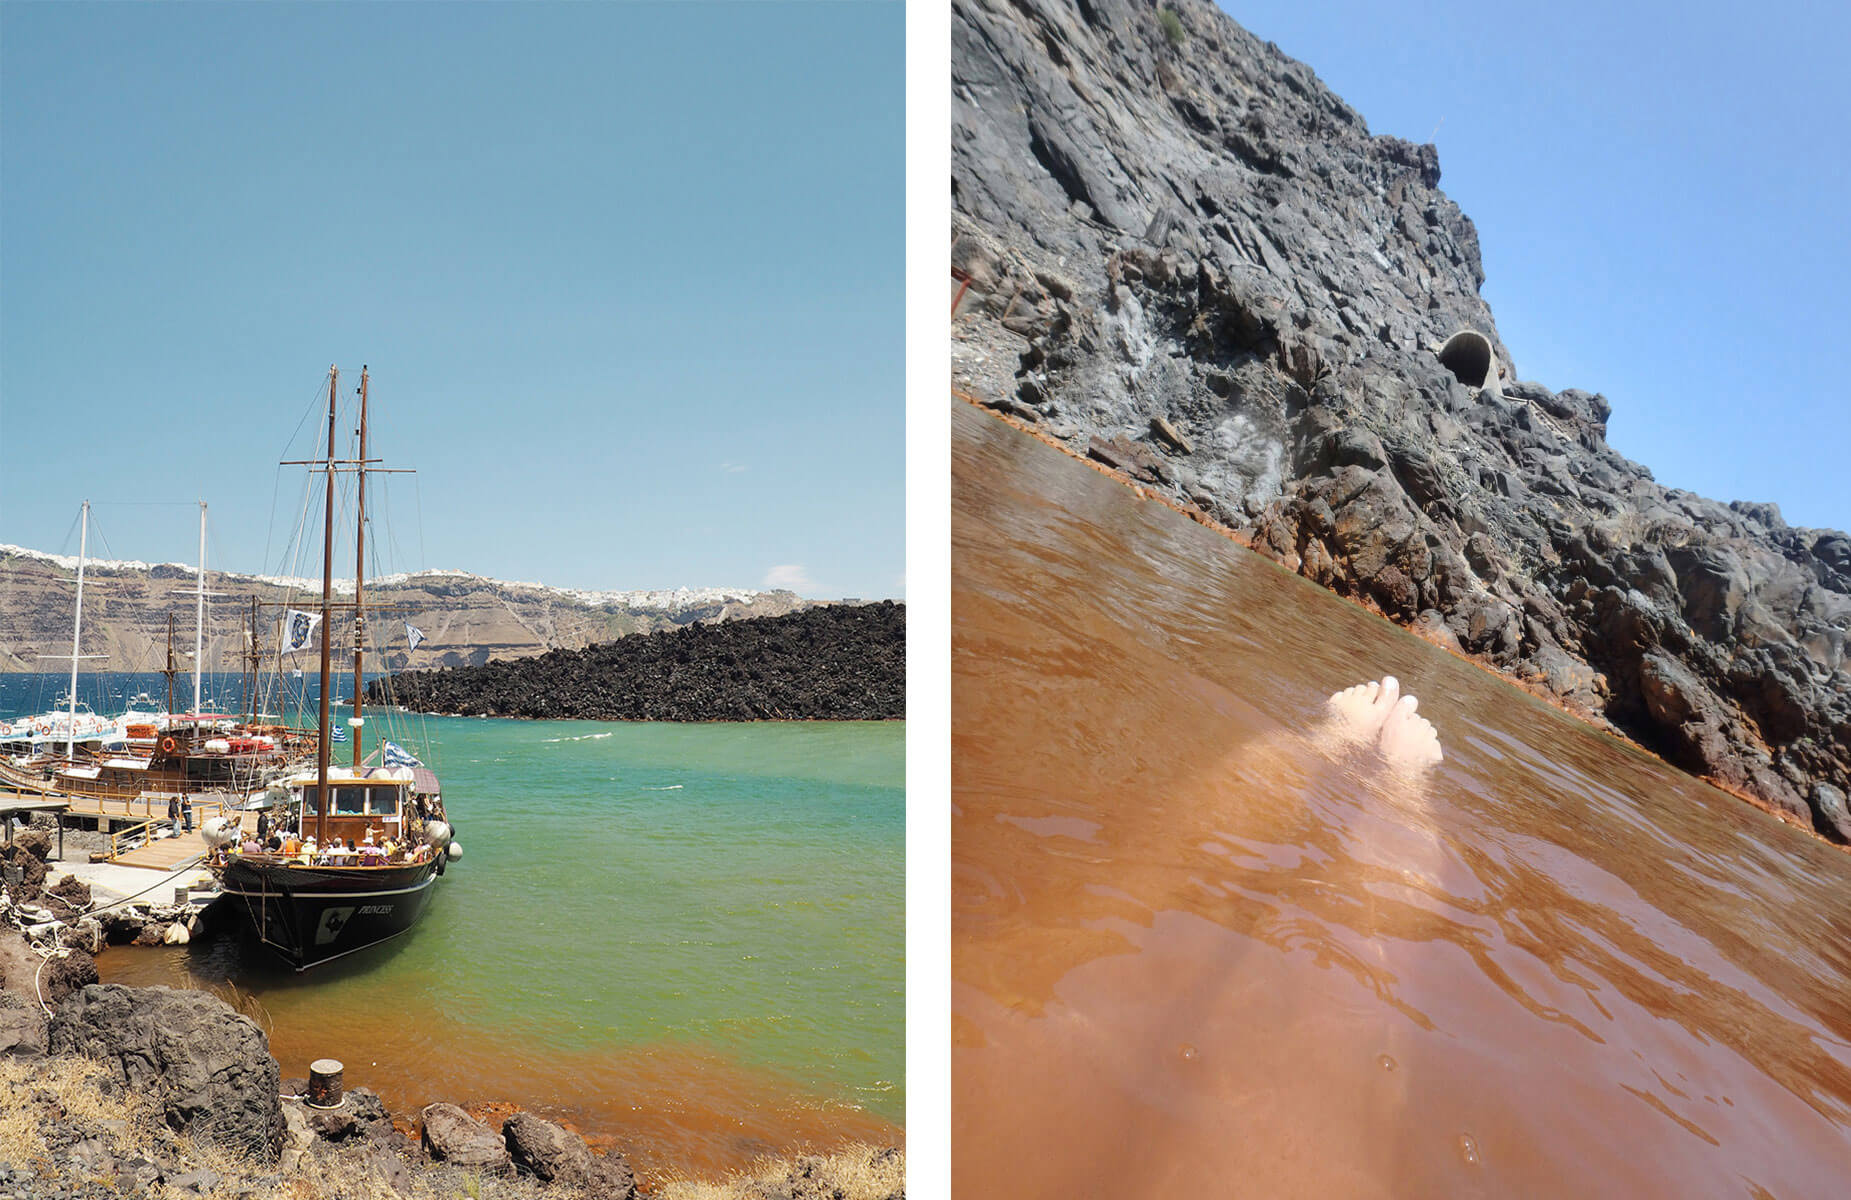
(312, 915)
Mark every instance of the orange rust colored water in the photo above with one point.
(674, 1110)
(1201, 946)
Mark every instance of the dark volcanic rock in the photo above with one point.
(1195, 264)
(844, 662)
(23, 1032)
(548, 1152)
(207, 1066)
(453, 1136)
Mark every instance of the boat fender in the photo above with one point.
(437, 833)
(219, 831)
(168, 745)
(455, 851)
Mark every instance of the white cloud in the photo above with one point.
(792, 577)
(731, 468)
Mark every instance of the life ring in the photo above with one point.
(168, 745)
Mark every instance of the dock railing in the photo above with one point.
(134, 837)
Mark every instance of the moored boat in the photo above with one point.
(362, 846)
(309, 902)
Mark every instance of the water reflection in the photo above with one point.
(1201, 946)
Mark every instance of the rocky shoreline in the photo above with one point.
(159, 1092)
(1188, 261)
(834, 663)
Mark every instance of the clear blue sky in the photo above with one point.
(629, 280)
(1661, 194)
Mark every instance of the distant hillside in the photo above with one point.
(844, 662)
(466, 619)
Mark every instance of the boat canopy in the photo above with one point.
(349, 775)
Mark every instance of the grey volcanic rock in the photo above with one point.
(208, 1067)
(548, 1152)
(1194, 263)
(23, 1031)
(453, 1136)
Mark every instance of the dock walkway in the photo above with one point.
(159, 854)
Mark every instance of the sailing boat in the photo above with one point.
(366, 844)
(31, 738)
(144, 755)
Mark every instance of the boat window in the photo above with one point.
(350, 801)
(384, 802)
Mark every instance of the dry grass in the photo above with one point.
(858, 1173)
(244, 1002)
(78, 1097)
(70, 1094)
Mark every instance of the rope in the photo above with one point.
(182, 869)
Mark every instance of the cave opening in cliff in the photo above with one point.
(1467, 354)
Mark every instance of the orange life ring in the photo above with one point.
(168, 745)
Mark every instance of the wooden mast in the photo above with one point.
(254, 660)
(171, 670)
(359, 582)
(327, 602)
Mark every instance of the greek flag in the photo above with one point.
(298, 628)
(413, 634)
(397, 756)
(337, 734)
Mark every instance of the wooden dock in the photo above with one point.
(159, 854)
(164, 854)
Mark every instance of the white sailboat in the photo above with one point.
(39, 735)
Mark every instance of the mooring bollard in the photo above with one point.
(325, 1083)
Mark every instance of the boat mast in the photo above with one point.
(171, 670)
(253, 660)
(77, 628)
(199, 619)
(357, 723)
(327, 602)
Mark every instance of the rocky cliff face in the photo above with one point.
(466, 619)
(1189, 259)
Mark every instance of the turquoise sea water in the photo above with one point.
(686, 938)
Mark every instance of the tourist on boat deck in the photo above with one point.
(309, 853)
(263, 826)
(371, 855)
(274, 843)
(292, 845)
(251, 846)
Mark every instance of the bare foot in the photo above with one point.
(1354, 703)
(1384, 706)
(1409, 740)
